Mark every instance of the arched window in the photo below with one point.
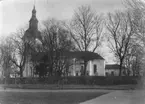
(95, 68)
(82, 70)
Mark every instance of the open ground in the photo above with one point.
(22, 96)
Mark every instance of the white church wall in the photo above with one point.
(100, 67)
(28, 70)
(75, 69)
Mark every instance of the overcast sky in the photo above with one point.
(17, 13)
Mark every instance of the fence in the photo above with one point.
(86, 80)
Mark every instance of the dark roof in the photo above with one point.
(113, 66)
(76, 54)
(84, 55)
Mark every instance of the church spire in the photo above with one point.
(34, 10)
(32, 32)
(33, 23)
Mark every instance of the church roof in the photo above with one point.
(84, 55)
(71, 54)
(113, 66)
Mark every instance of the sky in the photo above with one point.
(15, 14)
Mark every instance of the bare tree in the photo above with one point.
(20, 53)
(55, 42)
(134, 60)
(86, 30)
(121, 30)
(138, 60)
(137, 10)
(6, 51)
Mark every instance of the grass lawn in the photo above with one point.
(47, 97)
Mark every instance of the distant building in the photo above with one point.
(113, 70)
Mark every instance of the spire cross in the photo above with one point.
(34, 2)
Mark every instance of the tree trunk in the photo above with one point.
(21, 72)
(120, 68)
(133, 70)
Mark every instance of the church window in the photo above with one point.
(95, 68)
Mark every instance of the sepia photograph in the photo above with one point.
(72, 51)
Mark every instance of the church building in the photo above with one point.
(95, 65)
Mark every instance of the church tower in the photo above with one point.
(32, 33)
(30, 38)
(33, 23)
